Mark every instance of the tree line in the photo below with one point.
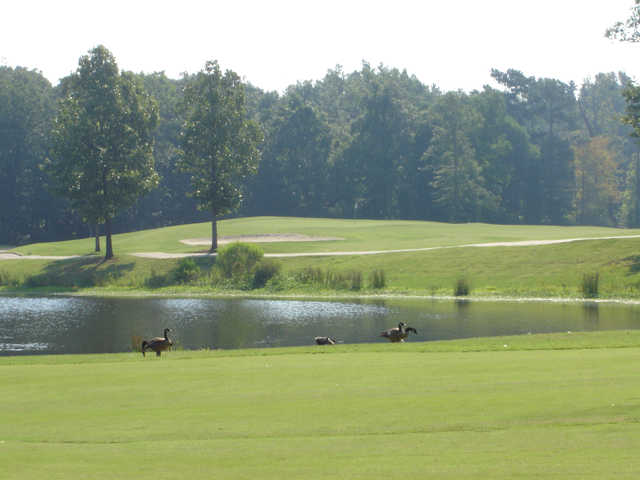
(374, 143)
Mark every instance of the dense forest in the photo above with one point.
(374, 143)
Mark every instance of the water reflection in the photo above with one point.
(85, 325)
(591, 315)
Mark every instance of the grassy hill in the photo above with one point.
(356, 235)
(537, 406)
(548, 270)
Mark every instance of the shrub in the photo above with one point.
(156, 280)
(186, 271)
(461, 288)
(590, 284)
(238, 261)
(213, 278)
(377, 279)
(266, 269)
(43, 280)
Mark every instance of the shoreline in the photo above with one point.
(324, 297)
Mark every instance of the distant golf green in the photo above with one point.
(355, 235)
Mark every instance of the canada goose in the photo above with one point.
(325, 341)
(157, 344)
(399, 333)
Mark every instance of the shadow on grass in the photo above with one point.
(79, 273)
(634, 264)
(187, 271)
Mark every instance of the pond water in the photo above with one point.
(32, 325)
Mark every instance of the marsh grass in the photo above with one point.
(462, 287)
(590, 284)
(136, 343)
(311, 275)
(377, 279)
(331, 279)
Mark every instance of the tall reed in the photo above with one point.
(590, 285)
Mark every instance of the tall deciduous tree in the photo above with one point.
(26, 110)
(294, 163)
(629, 30)
(596, 189)
(219, 142)
(103, 140)
(547, 109)
(457, 182)
(380, 141)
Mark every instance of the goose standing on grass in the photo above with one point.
(324, 341)
(158, 344)
(399, 333)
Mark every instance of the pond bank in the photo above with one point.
(328, 296)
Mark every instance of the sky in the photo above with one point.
(452, 44)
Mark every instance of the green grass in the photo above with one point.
(540, 271)
(543, 406)
(357, 235)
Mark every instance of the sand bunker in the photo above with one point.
(262, 238)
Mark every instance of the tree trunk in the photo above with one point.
(636, 194)
(96, 234)
(214, 232)
(107, 233)
(586, 119)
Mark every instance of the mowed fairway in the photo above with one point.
(355, 235)
(345, 412)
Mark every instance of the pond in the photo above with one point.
(33, 325)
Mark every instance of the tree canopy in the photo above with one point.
(219, 142)
(372, 143)
(103, 140)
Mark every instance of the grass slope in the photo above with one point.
(545, 406)
(545, 271)
(357, 235)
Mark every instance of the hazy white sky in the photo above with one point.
(274, 43)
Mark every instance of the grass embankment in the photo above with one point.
(546, 271)
(544, 406)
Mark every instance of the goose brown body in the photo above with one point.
(399, 333)
(158, 344)
(325, 341)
